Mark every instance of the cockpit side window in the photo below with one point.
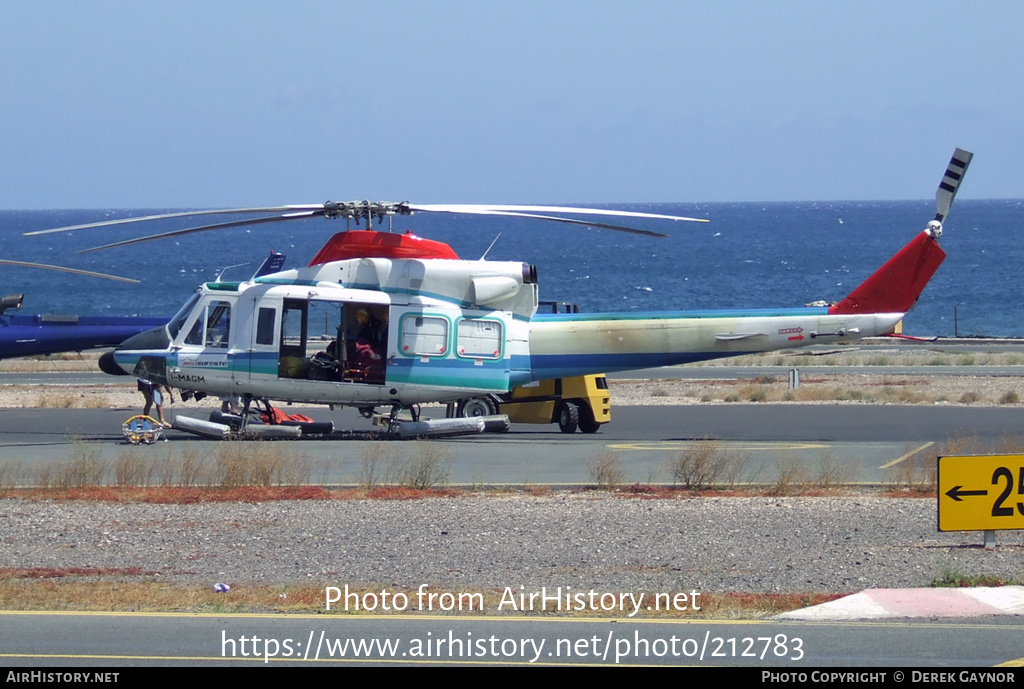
(195, 335)
(218, 324)
(211, 326)
(176, 323)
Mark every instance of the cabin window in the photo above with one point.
(265, 323)
(478, 338)
(424, 336)
(293, 328)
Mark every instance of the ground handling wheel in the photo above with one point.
(477, 406)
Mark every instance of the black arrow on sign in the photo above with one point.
(955, 492)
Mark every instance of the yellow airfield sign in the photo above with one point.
(981, 492)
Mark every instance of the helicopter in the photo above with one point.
(385, 319)
(55, 333)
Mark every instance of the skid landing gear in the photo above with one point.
(259, 419)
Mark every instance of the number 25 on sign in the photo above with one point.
(981, 492)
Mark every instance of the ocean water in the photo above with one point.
(750, 255)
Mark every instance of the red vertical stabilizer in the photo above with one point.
(895, 287)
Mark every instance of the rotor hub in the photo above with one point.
(365, 210)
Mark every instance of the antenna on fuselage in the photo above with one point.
(227, 268)
(491, 247)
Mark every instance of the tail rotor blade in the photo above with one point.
(951, 182)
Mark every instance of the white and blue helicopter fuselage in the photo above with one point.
(444, 329)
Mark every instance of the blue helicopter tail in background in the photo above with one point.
(53, 333)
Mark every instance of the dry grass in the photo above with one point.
(606, 471)
(791, 476)
(383, 464)
(133, 590)
(916, 475)
(743, 606)
(134, 470)
(12, 474)
(83, 468)
(899, 391)
(188, 496)
(428, 467)
(832, 474)
(90, 397)
(376, 457)
(54, 400)
(859, 388)
(265, 464)
(755, 393)
(705, 465)
(234, 465)
(67, 362)
(231, 466)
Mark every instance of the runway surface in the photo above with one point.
(110, 639)
(868, 442)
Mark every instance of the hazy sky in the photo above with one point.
(146, 104)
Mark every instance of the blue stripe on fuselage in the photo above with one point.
(543, 367)
(677, 315)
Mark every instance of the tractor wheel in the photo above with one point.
(568, 417)
(587, 423)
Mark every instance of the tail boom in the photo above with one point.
(577, 344)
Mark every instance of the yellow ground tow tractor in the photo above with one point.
(582, 402)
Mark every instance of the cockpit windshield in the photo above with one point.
(183, 313)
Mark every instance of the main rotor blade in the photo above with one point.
(63, 269)
(487, 209)
(360, 209)
(181, 214)
(570, 221)
(204, 228)
(950, 183)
